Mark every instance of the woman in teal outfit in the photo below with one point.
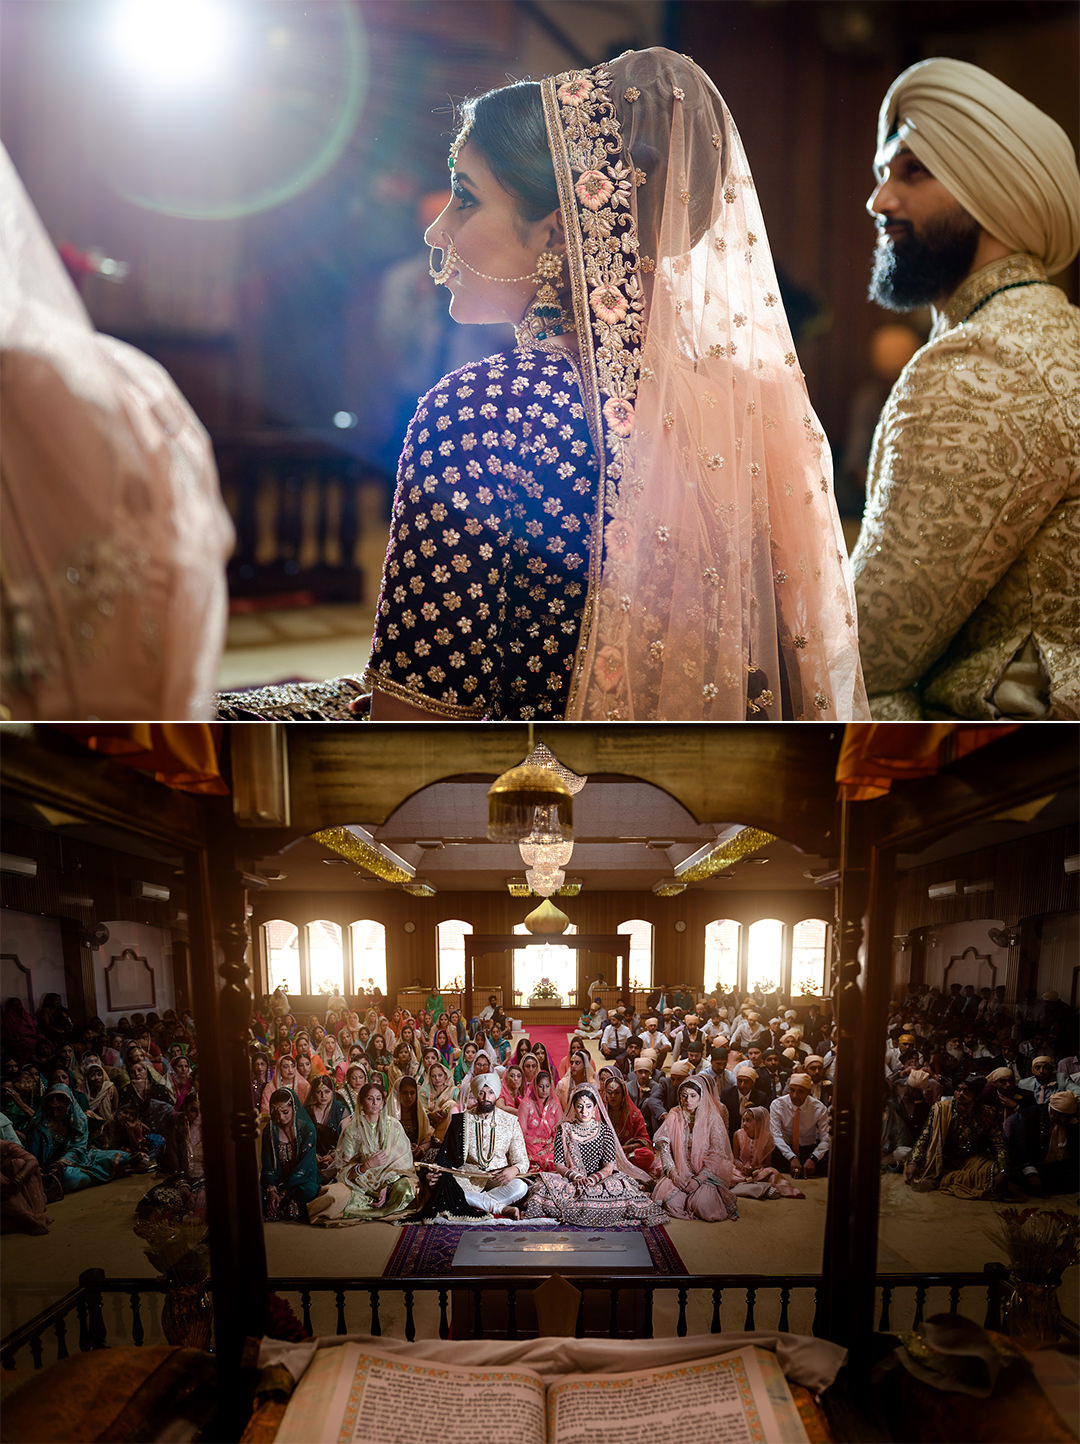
(290, 1169)
(58, 1139)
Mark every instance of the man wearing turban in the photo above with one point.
(487, 1149)
(966, 570)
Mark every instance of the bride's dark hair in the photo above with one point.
(508, 130)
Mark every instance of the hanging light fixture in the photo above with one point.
(517, 796)
(534, 800)
(545, 855)
(545, 883)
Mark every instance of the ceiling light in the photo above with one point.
(542, 756)
(660, 844)
(544, 883)
(517, 887)
(755, 861)
(335, 861)
(530, 799)
(668, 887)
(736, 844)
(545, 855)
(429, 844)
(418, 887)
(355, 844)
(571, 887)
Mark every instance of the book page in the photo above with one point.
(726, 1400)
(357, 1396)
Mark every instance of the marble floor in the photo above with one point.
(307, 644)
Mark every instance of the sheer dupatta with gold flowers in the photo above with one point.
(723, 590)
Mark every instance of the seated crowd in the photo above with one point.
(370, 1113)
(981, 1095)
(82, 1106)
(677, 1112)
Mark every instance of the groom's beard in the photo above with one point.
(485, 1107)
(912, 269)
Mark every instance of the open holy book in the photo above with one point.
(354, 1395)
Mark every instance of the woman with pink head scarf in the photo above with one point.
(695, 1156)
(754, 1177)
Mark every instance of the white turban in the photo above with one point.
(484, 1080)
(1006, 162)
(801, 1080)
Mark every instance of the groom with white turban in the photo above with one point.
(967, 570)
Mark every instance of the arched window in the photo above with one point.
(809, 941)
(281, 942)
(542, 961)
(641, 952)
(451, 934)
(721, 955)
(765, 955)
(326, 962)
(368, 956)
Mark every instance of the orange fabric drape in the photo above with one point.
(875, 754)
(183, 755)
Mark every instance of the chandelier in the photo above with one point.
(545, 883)
(534, 803)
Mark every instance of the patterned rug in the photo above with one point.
(426, 1252)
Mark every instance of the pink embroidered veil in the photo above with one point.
(115, 536)
(724, 590)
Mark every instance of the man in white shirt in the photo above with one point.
(594, 986)
(651, 1037)
(800, 1130)
(744, 1032)
(614, 1037)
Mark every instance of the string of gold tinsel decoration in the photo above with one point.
(341, 840)
(748, 840)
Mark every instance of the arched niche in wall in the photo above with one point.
(129, 983)
(16, 981)
(972, 967)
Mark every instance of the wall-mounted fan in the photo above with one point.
(96, 935)
(1004, 937)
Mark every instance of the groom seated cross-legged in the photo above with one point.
(485, 1151)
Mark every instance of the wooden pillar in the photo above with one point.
(222, 1003)
(866, 905)
(78, 971)
(467, 1009)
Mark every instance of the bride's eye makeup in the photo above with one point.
(464, 198)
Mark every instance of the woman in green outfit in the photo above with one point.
(374, 1172)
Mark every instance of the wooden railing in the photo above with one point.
(309, 516)
(483, 1306)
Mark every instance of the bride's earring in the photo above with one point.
(545, 316)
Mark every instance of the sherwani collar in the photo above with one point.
(1017, 269)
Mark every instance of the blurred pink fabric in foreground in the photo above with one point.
(113, 598)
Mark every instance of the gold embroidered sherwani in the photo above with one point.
(967, 569)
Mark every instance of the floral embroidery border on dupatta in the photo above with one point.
(595, 189)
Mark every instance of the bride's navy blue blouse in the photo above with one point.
(492, 535)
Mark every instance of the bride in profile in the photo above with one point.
(630, 515)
